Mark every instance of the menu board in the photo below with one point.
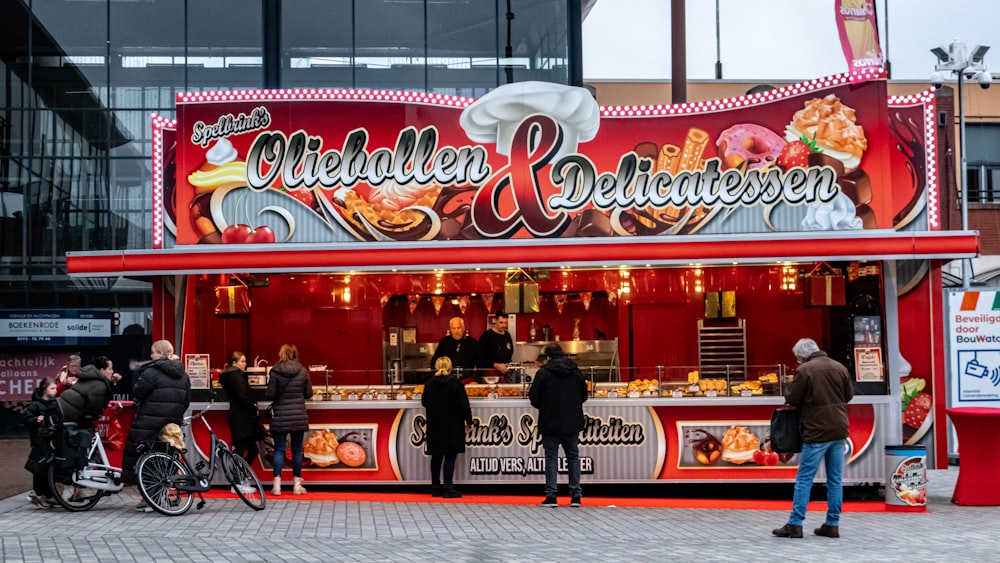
(196, 366)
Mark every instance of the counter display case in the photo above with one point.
(637, 439)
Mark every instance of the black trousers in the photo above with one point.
(448, 461)
(246, 448)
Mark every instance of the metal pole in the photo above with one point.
(718, 44)
(964, 187)
(678, 55)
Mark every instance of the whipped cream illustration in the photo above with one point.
(495, 117)
(222, 153)
(837, 215)
(391, 195)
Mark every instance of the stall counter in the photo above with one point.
(626, 440)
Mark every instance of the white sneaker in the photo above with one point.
(245, 489)
(36, 500)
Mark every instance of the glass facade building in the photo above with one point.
(80, 79)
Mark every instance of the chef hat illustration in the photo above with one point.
(495, 117)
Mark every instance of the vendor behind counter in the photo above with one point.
(463, 350)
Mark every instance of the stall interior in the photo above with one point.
(655, 330)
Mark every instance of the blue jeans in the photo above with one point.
(279, 454)
(570, 445)
(832, 456)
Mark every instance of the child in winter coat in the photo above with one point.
(40, 419)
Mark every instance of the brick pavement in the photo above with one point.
(294, 530)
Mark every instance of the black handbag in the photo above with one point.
(786, 437)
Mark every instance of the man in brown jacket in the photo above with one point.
(820, 390)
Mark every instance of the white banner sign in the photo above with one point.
(54, 327)
(974, 344)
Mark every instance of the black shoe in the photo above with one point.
(437, 490)
(550, 502)
(451, 493)
(575, 501)
(788, 531)
(828, 531)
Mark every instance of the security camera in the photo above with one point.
(984, 79)
(937, 79)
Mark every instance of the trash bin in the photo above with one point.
(906, 478)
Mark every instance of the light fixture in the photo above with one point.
(955, 59)
(789, 278)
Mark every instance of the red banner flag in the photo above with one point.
(858, 31)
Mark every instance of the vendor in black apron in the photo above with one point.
(497, 347)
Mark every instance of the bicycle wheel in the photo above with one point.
(244, 481)
(153, 472)
(69, 495)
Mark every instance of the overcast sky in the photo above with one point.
(775, 39)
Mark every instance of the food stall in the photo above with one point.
(678, 252)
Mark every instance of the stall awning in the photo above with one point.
(589, 252)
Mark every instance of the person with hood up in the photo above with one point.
(244, 426)
(288, 388)
(558, 392)
(163, 394)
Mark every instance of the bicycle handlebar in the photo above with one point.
(201, 413)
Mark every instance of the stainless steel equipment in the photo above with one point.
(406, 361)
(597, 356)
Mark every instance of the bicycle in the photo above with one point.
(79, 489)
(168, 483)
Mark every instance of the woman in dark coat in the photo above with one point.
(163, 393)
(288, 388)
(244, 426)
(448, 412)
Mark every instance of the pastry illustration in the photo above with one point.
(222, 168)
(831, 125)
(739, 445)
(399, 211)
(325, 449)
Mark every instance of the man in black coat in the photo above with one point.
(558, 392)
(462, 350)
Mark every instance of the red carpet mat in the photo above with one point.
(728, 504)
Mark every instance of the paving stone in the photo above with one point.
(225, 530)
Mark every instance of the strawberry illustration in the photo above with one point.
(917, 410)
(797, 153)
(301, 194)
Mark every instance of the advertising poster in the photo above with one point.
(54, 327)
(20, 373)
(868, 364)
(338, 166)
(974, 338)
(623, 441)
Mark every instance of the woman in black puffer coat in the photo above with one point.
(288, 388)
(163, 394)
